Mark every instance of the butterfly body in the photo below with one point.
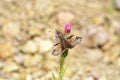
(65, 41)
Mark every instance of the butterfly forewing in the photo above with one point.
(72, 40)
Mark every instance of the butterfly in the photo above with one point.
(64, 41)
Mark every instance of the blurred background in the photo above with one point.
(27, 37)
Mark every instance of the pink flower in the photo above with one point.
(68, 28)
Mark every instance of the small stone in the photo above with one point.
(6, 50)
(36, 59)
(94, 55)
(110, 43)
(112, 54)
(115, 52)
(32, 60)
(30, 47)
(37, 74)
(44, 45)
(65, 17)
(34, 30)
(117, 4)
(11, 29)
(15, 75)
(28, 77)
(116, 28)
(89, 78)
(118, 62)
(98, 20)
(19, 58)
(75, 77)
(31, 69)
(27, 60)
(23, 76)
(95, 36)
(1, 64)
(103, 78)
(102, 36)
(10, 67)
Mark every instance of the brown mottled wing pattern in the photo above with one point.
(72, 40)
(64, 41)
(58, 47)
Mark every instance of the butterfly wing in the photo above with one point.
(58, 47)
(72, 40)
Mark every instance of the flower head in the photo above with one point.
(67, 28)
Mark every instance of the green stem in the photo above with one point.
(62, 70)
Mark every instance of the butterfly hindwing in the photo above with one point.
(57, 49)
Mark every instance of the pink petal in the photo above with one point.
(68, 28)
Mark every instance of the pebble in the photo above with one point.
(30, 47)
(23, 75)
(19, 58)
(94, 55)
(115, 52)
(28, 77)
(10, 67)
(44, 45)
(118, 62)
(27, 60)
(11, 29)
(37, 74)
(102, 36)
(103, 78)
(1, 64)
(98, 20)
(75, 77)
(36, 59)
(15, 76)
(32, 60)
(95, 36)
(117, 4)
(34, 30)
(117, 29)
(65, 17)
(6, 50)
(89, 78)
(110, 43)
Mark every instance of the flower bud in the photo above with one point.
(68, 28)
